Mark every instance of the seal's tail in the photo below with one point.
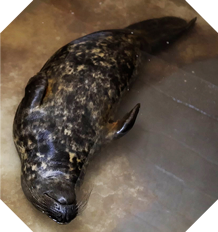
(162, 31)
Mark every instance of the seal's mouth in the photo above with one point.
(57, 205)
(60, 213)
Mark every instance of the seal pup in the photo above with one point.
(67, 110)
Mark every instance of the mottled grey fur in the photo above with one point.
(66, 113)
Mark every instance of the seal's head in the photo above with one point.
(55, 197)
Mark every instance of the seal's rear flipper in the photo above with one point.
(158, 24)
(162, 31)
(119, 128)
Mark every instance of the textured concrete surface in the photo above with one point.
(163, 175)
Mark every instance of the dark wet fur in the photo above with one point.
(66, 113)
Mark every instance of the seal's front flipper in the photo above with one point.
(119, 128)
(34, 91)
(34, 94)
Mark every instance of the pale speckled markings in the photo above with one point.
(34, 167)
(101, 54)
(67, 132)
(43, 165)
(71, 155)
(39, 155)
(80, 67)
(22, 151)
(96, 50)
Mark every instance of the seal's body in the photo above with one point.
(66, 113)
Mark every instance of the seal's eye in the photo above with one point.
(62, 200)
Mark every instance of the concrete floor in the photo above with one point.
(163, 175)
